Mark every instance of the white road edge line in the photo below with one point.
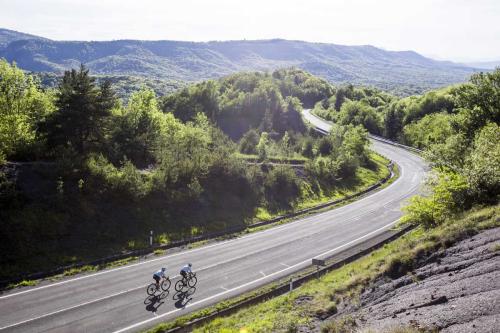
(67, 309)
(254, 281)
(77, 306)
(142, 286)
(187, 251)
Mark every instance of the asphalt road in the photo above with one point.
(115, 300)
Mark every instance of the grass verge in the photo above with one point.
(364, 178)
(74, 271)
(318, 298)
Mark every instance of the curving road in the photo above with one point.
(114, 300)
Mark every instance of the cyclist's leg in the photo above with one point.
(157, 279)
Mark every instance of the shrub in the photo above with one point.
(249, 141)
(325, 146)
(263, 146)
(281, 188)
(448, 197)
(482, 167)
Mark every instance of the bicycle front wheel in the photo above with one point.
(192, 281)
(151, 290)
(165, 284)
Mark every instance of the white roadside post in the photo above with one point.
(291, 284)
(151, 238)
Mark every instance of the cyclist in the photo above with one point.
(185, 271)
(158, 275)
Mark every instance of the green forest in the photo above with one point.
(458, 130)
(84, 174)
(457, 127)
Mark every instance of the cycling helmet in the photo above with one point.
(163, 269)
(190, 264)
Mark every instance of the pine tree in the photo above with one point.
(83, 109)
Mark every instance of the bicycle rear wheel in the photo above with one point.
(179, 285)
(151, 290)
(165, 284)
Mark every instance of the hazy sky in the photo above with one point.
(459, 30)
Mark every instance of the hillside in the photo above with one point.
(7, 36)
(450, 292)
(403, 72)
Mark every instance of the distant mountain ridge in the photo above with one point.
(7, 36)
(484, 64)
(403, 72)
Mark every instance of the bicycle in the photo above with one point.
(164, 286)
(190, 281)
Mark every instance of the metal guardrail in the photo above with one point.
(231, 230)
(213, 235)
(379, 138)
(286, 286)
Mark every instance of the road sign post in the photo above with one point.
(318, 263)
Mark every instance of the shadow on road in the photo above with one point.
(182, 298)
(154, 302)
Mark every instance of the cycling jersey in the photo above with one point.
(159, 274)
(186, 269)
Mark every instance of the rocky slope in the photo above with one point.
(454, 290)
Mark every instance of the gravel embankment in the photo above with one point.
(455, 290)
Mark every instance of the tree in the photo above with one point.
(325, 146)
(83, 111)
(393, 121)
(478, 102)
(249, 141)
(263, 145)
(23, 106)
(138, 129)
(482, 166)
(339, 98)
(307, 148)
(281, 188)
(285, 144)
(431, 129)
(359, 113)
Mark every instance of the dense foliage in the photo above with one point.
(240, 102)
(123, 85)
(457, 126)
(23, 106)
(462, 142)
(97, 175)
(351, 105)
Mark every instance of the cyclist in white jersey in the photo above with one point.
(158, 275)
(185, 271)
